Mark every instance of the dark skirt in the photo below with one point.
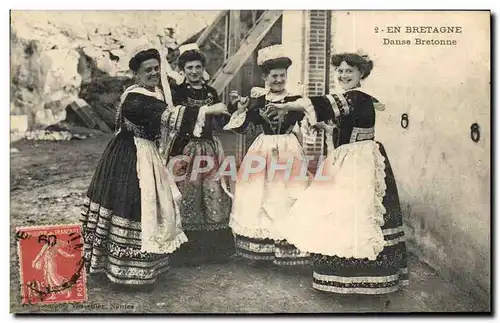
(279, 253)
(386, 274)
(111, 218)
(205, 207)
(205, 247)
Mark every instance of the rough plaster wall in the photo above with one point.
(443, 176)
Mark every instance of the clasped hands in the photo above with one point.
(272, 110)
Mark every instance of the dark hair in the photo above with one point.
(364, 64)
(282, 62)
(142, 56)
(190, 56)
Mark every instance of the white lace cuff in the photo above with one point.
(379, 106)
(310, 114)
(200, 121)
(309, 134)
(236, 121)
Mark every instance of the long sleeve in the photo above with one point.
(192, 104)
(364, 113)
(133, 109)
(154, 111)
(186, 118)
(144, 113)
(218, 121)
(239, 122)
(337, 106)
(323, 108)
(189, 120)
(349, 110)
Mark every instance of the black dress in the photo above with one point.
(206, 204)
(113, 210)
(366, 255)
(253, 220)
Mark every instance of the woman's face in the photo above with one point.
(194, 71)
(149, 73)
(276, 79)
(348, 76)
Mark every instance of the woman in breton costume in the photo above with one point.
(131, 218)
(261, 198)
(354, 223)
(189, 127)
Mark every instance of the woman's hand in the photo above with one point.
(217, 109)
(288, 106)
(236, 99)
(276, 110)
(321, 125)
(326, 126)
(269, 114)
(223, 112)
(233, 97)
(243, 104)
(277, 107)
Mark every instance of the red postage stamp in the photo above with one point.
(51, 264)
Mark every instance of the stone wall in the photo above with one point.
(56, 54)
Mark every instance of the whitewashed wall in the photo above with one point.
(443, 176)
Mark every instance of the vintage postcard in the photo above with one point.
(250, 161)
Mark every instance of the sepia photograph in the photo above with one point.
(250, 161)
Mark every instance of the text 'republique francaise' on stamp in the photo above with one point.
(51, 264)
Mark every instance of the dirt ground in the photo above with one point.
(48, 182)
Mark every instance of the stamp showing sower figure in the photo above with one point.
(51, 264)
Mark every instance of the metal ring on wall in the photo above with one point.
(404, 121)
(475, 135)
